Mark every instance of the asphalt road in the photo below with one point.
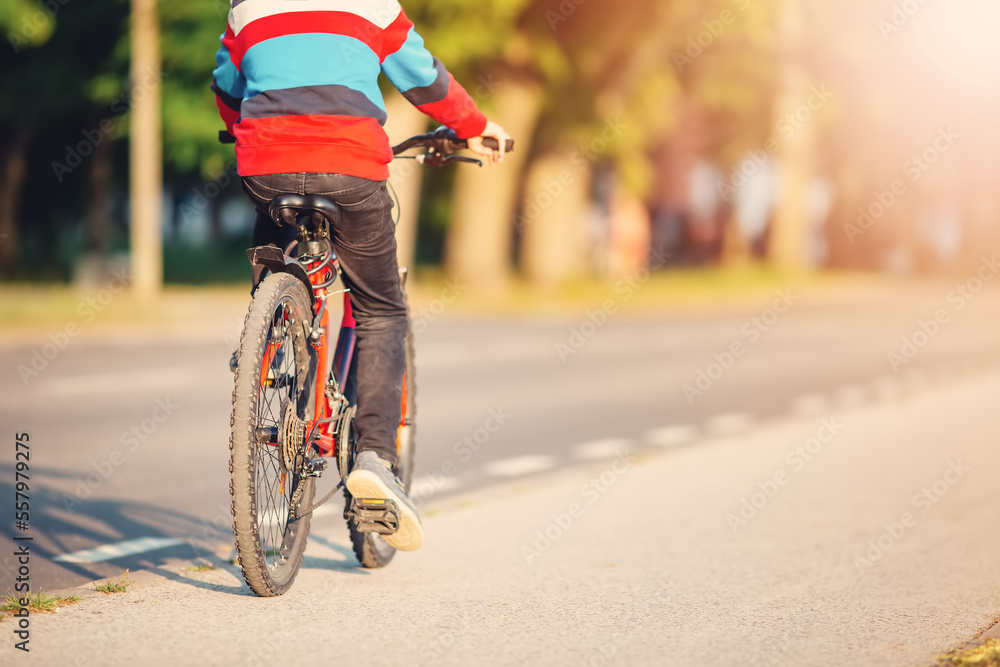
(864, 536)
(129, 432)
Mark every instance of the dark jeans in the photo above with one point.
(365, 243)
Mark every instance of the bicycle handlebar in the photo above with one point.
(442, 141)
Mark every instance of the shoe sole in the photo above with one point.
(409, 537)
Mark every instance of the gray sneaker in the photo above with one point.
(371, 477)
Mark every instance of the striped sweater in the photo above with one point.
(296, 82)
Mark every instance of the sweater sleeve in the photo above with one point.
(425, 82)
(228, 82)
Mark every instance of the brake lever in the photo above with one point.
(462, 158)
(440, 160)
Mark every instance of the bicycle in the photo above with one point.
(294, 404)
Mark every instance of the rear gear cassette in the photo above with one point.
(291, 435)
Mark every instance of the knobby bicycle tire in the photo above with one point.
(270, 540)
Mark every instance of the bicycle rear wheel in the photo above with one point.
(273, 395)
(371, 550)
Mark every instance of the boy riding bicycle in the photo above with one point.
(296, 83)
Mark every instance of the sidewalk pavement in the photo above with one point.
(867, 537)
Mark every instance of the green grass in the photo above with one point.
(987, 655)
(675, 290)
(119, 585)
(202, 567)
(51, 309)
(39, 603)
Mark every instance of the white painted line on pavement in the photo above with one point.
(606, 448)
(671, 436)
(729, 423)
(520, 465)
(118, 550)
(811, 405)
(102, 383)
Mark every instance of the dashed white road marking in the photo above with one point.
(606, 448)
(811, 405)
(520, 465)
(671, 436)
(729, 423)
(103, 383)
(119, 550)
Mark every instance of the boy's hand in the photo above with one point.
(495, 131)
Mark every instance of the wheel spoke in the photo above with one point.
(274, 502)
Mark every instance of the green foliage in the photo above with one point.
(191, 124)
(464, 34)
(25, 23)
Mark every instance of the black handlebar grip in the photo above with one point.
(226, 138)
(493, 144)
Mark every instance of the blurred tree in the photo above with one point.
(55, 52)
(498, 63)
(611, 99)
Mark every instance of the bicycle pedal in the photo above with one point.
(374, 515)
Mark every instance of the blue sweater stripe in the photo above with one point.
(311, 59)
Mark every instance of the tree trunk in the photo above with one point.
(405, 175)
(554, 234)
(11, 186)
(479, 242)
(788, 241)
(146, 152)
